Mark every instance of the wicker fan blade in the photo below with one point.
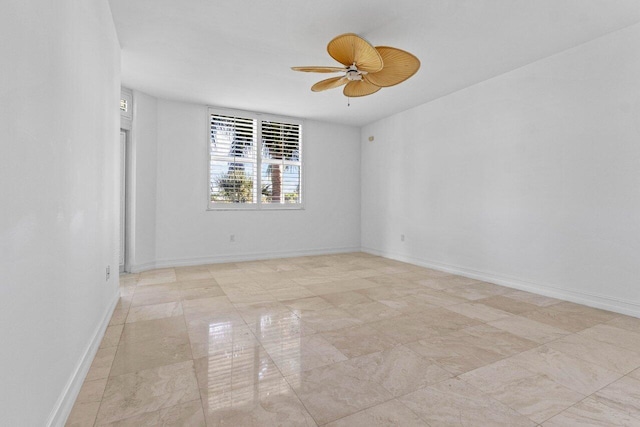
(359, 88)
(329, 83)
(319, 69)
(349, 48)
(398, 67)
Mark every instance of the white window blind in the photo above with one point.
(254, 161)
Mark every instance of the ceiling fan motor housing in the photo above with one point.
(353, 74)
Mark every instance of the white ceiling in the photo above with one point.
(237, 53)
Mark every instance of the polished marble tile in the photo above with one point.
(571, 372)
(209, 305)
(301, 354)
(625, 322)
(212, 337)
(388, 292)
(129, 279)
(251, 298)
(391, 413)
(257, 312)
(341, 286)
(154, 311)
(445, 281)
(346, 299)
(371, 311)
(124, 302)
(308, 304)
(507, 304)
(615, 336)
(388, 280)
(353, 339)
(276, 283)
(203, 292)
(480, 312)
(529, 329)
(119, 316)
(92, 391)
(403, 329)
(471, 348)
(585, 311)
(154, 277)
(328, 319)
(359, 340)
(591, 413)
(533, 395)
(148, 390)
(188, 414)
(151, 343)
(270, 403)
(528, 297)
(477, 291)
(622, 395)
(291, 293)
(145, 330)
(83, 414)
(155, 294)
(137, 355)
(398, 369)
(606, 355)
(192, 273)
(568, 316)
(442, 321)
(111, 336)
(278, 327)
(101, 365)
(421, 301)
(456, 403)
(87, 403)
(235, 368)
(333, 392)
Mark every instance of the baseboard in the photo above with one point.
(137, 268)
(67, 398)
(256, 256)
(585, 298)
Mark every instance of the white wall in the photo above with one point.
(59, 91)
(186, 233)
(530, 179)
(143, 165)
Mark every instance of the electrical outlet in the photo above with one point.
(402, 237)
(108, 272)
(232, 237)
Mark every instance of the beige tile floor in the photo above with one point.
(354, 340)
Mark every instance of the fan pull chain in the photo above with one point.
(348, 102)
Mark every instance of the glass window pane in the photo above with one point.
(280, 183)
(233, 182)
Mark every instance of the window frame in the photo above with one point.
(259, 205)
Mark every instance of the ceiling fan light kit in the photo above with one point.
(366, 69)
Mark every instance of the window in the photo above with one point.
(255, 161)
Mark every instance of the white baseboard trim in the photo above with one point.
(137, 268)
(585, 298)
(69, 394)
(256, 256)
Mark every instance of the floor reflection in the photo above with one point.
(238, 373)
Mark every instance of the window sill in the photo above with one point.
(256, 208)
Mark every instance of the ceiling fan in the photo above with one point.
(366, 69)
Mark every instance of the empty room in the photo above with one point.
(338, 213)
